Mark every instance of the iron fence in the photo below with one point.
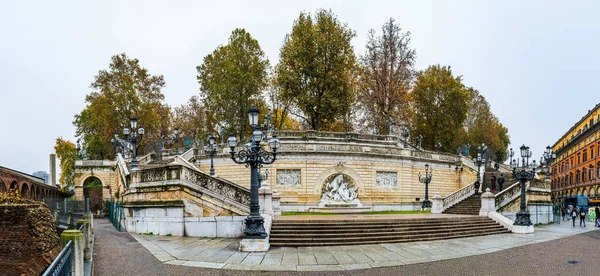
(61, 266)
(115, 214)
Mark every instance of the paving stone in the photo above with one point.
(359, 257)
(280, 267)
(306, 259)
(355, 266)
(237, 258)
(319, 268)
(203, 264)
(386, 263)
(343, 258)
(272, 259)
(252, 259)
(325, 258)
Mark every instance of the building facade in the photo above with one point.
(575, 171)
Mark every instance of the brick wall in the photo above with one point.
(28, 239)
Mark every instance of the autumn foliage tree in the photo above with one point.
(316, 69)
(67, 154)
(193, 119)
(231, 80)
(386, 73)
(438, 108)
(123, 91)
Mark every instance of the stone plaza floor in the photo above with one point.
(219, 253)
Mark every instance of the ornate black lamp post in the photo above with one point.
(211, 150)
(523, 176)
(480, 159)
(176, 140)
(254, 156)
(133, 135)
(405, 134)
(390, 124)
(426, 180)
(548, 157)
(267, 127)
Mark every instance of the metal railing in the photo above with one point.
(63, 262)
(458, 196)
(115, 214)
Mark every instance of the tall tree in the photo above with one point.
(67, 154)
(438, 107)
(483, 126)
(316, 68)
(123, 91)
(386, 73)
(193, 119)
(231, 79)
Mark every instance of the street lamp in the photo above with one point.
(254, 156)
(548, 157)
(133, 135)
(480, 159)
(405, 134)
(176, 139)
(267, 127)
(211, 150)
(523, 176)
(426, 180)
(390, 124)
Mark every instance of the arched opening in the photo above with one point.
(2, 186)
(578, 192)
(592, 192)
(24, 191)
(14, 186)
(92, 189)
(585, 192)
(37, 193)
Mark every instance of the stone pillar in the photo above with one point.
(437, 204)
(87, 234)
(90, 218)
(53, 169)
(488, 203)
(70, 219)
(276, 203)
(56, 221)
(78, 241)
(265, 198)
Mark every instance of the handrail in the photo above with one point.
(507, 195)
(188, 154)
(63, 260)
(458, 195)
(218, 186)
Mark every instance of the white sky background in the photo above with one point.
(536, 62)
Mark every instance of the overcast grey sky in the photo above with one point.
(536, 62)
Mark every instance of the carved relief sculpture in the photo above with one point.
(340, 191)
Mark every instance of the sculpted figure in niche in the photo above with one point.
(339, 191)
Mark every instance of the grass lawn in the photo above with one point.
(364, 213)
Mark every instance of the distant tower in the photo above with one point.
(42, 174)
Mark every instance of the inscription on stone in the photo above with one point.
(387, 179)
(288, 178)
(422, 155)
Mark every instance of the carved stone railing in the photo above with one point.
(218, 186)
(145, 159)
(507, 195)
(188, 154)
(123, 171)
(458, 196)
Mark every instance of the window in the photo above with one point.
(583, 179)
(592, 152)
(584, 155)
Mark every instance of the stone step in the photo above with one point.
(369, 223)
(325, 229)
(388, 232)
(396, 239)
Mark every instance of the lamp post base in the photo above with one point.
(523, 219)
(255, 228)
(426, 204)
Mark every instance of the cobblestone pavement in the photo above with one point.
(120, 254)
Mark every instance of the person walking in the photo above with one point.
(582, 217)
(574, 215)
(500, 182)
(497, 166)
(493, 182)
(597, 217)
(563, 212)
(476, 184)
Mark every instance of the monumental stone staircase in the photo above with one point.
(469, 206)
(372, 231)
(487, 179)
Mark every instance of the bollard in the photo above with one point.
(70, 220)
(88, 237)
(89, 217)
(78, 241)
(56, 221)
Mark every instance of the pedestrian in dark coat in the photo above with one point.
(574, 215)
(582, 217)
(501, 182)
(493, 182)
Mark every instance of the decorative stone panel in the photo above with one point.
(288, 178)
(387, 179)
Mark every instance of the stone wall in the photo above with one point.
(314, 167)
(28, 239)
(104, 170)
